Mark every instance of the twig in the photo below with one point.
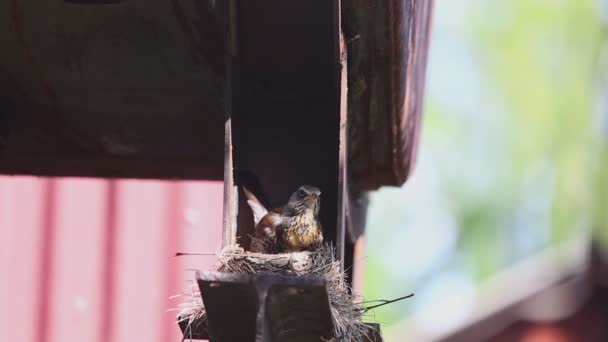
(385, 302)
(184, 254)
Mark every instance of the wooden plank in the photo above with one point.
(227, 11)
(387, 47)
(341, 242)
(230, 191)
(126, 90)
(265, 307)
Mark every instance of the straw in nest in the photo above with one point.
(346, 308)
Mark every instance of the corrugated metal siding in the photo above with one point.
(93, 260)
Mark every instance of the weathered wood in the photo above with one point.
(227, 14)
(230, 192)
(341, 242)
(124, 90)
(387, 49)
(131, 89)
(243, 307)
(387, 46)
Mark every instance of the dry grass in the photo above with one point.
(346, 308)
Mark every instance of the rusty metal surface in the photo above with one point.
(265, 307)
(92, 260)
(129, 89)
(387, 43)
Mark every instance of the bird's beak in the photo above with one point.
(312, 197)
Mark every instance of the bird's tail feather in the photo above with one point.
(258, 209)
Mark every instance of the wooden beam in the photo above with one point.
(137, 96)
(387, 43)
(341, 242)
(387, 47)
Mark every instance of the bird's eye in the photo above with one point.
(301, 193)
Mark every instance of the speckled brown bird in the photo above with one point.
(292, 228)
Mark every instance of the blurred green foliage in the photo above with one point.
(544, 63)
(511, 155)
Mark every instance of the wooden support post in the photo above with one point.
(230, 192)
(343, 147)
(227, 14)
(387, 43)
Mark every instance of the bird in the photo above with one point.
(293, 227)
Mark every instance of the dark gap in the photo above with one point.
(94, 2)
(286, 116)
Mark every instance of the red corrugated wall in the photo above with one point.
(93, 260)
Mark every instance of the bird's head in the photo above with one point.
(305, 198)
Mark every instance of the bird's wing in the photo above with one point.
(258, 209)
(266, 228)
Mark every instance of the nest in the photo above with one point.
(346, 308)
